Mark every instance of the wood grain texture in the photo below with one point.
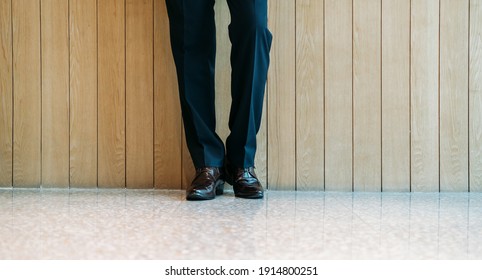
(454, 35)
(396, 95)
(222, 76)
(424, 95)
(6, 87)
(83, 93)
(281, 97)
(123, 90)
(55, 93)
(167, 111)
(139, 94)
(475, 97)
(27, 96)
(309, 95)
(111, 76)
(338, 95)
(367, 95)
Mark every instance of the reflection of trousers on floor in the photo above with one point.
(193, 41)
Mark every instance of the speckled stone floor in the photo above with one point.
(157, 224)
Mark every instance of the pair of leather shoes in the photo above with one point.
(244, 181)
(208, 182)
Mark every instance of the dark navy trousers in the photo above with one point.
(193, 42)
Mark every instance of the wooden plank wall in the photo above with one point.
(83, 93)
(362, 95)
(338, 111)
(55, 92)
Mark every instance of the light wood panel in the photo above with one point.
(281, 98)
(338, 95)
(6, 101)
(475, 97)
(454, 36)
(167, 112)
(309, 95)
(222, 78)
(83, 93)
(111, 95)
(367, 95)
(139, 94)
(396, 95)
(27, 97)
(55, 93)
(424, 95)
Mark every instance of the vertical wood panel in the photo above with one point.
(139, 94)
(111, 59)
(6, 112)
(83, 93)
(475, 85)
(281, 97)
(55, 93)
(424, 95)
(167, 112)
(309, 95)
(367, 98)
(454, 151)
(396, 95)
(338, 95)
(223, 76)
(27, 97)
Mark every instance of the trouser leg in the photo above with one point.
(193, 42)
(251, 43)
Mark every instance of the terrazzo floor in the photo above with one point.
(160, 224)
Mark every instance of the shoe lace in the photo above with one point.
(200, 171)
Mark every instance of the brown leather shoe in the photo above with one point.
(244, 181)
(207, 183)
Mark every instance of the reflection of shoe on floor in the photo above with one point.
(207, 183)
(244, 181)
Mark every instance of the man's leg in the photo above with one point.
(251, 43)
(193, 41)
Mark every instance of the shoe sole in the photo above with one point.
(196, 197)
(250, 196)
